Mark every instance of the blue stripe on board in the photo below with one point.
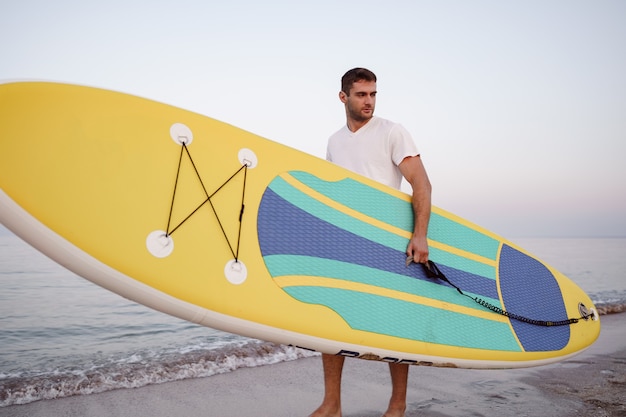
(411, 321)
(288, 265)
(370, 232)
(399, 213)
(333, 216)
(284, 229)
(530, 290)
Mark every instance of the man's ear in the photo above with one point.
(343, 97)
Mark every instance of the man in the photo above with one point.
(383, 151)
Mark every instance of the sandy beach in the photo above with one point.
(592, 384)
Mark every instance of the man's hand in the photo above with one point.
(418, 249)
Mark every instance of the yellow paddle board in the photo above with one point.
(218, 226)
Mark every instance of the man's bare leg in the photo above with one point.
(399, 381)
(331, 405)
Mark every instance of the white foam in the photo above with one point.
(138, 370)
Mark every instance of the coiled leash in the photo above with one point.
(432, 271)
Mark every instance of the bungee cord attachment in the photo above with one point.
(160, 243)
(170, 229)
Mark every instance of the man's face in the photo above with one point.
(361, 102)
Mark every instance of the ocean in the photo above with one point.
(61, 335)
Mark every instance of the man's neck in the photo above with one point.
(354, 125)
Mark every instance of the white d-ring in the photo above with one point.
(181, 134)
(235, 271)
(247, 157)
(159, 244)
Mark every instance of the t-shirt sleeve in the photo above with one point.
(401, 144)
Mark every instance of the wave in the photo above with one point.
(611, 307)
(138, 369)
(141, 369)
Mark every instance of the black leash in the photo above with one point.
(432, 271)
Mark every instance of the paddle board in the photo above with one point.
(220, 227)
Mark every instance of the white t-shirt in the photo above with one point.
(375, 150)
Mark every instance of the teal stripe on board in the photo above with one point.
(337, 218)
(399, 213)
(286, 265)
(362, 198)
(441, 229)
(369, 313)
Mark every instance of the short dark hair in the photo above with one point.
(355, 75)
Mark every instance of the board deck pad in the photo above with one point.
(322, 255)
(215, 225)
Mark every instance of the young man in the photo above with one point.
(383, 151)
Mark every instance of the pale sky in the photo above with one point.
(518, 107)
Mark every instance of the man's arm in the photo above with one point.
(413, 170)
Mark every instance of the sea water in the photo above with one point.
(61, 335)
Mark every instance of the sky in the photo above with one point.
(518, 107)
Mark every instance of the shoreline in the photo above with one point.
(592, 384)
